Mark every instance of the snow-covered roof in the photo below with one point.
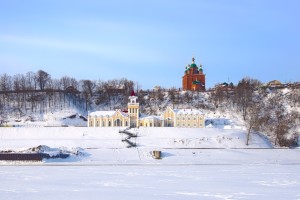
(105, 113)
(151, 117)
(188, 111)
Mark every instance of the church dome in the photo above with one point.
(193, 65)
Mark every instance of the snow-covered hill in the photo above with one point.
(224, 114)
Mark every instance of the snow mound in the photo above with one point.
(62, 152)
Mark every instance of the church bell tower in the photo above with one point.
(133, 110)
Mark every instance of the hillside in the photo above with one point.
(273, 112)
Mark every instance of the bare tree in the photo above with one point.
(42, 78)
(172, 96)
(188, 97)
(218, 96)
(254, 118)
(281, 122)
(245, 93)
(88, 87)
(30, 81)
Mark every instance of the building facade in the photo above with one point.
(151, 121)
(185, 118)
(194, 78)
(117, 118)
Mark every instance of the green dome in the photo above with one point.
(193, 65)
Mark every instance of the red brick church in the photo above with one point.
(193, 78)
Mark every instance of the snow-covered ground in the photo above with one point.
(151, 182)
(207, 163)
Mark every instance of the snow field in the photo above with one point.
(207, 163)
(208, 182)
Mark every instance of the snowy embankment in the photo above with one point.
(99, 138)
(178, 145)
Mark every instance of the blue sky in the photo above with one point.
(151, 41)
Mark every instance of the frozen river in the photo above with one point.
(267, 181)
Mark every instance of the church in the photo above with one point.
(184, 118)
(194, 78)
(117, 118)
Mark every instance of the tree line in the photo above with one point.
(273, 112)
(39, 92)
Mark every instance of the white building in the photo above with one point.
(186, 118)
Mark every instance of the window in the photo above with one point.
(150, 124)
(97, 123)
(109, 123)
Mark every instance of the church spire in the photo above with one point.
(132, 93)
(193, 60)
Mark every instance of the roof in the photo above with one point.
(132, 93)
(188, 111)
(151, 117)
(193, 65)
(274, 82)
(106, 113)
(197, 82)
